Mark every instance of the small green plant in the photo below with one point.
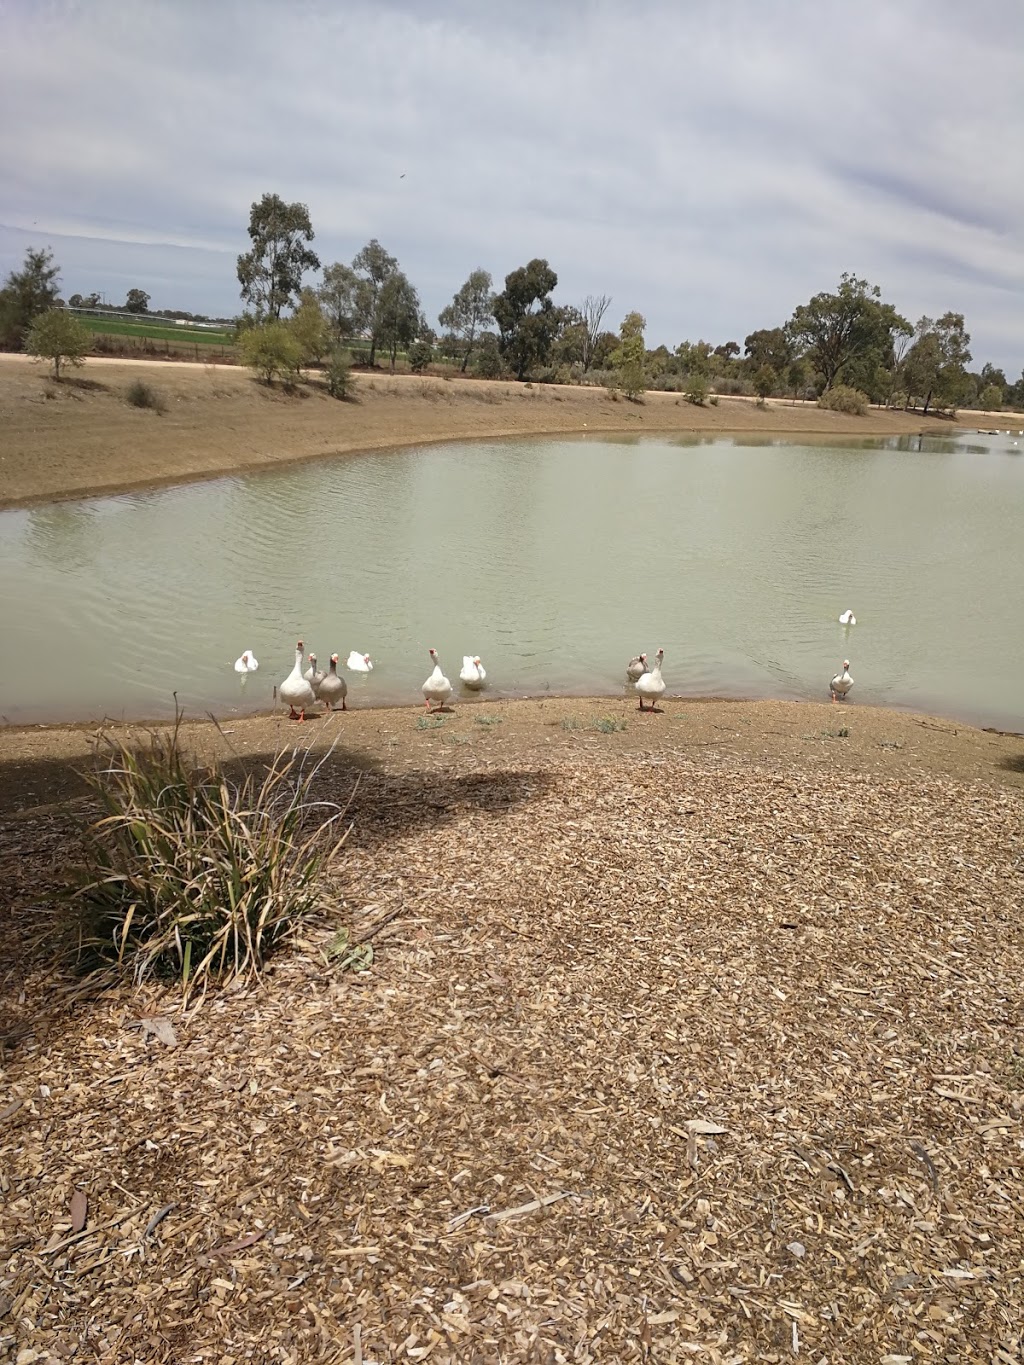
(348, 956)
(338, 377)
(488, 720)
(842, 398)
(190, 874)
(608, 726)
(142, 395)
(430, 722)
(571, 723)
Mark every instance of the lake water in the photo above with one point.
(555, 560)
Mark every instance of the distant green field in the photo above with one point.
(158, 330)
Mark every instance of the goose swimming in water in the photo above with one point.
(847, 618)
(246, 662)
(636, 668)
(841, 683)
(358, 663)
(473, 673)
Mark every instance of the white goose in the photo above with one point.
(359, 663)
(295, 691)
(333, 688)
(473, 672)
(651, 685)
(437, 688)
(636, 668)
(847, 618)
(314, 676)
(246, 662)
(842, 682)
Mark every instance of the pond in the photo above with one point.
(554, 560)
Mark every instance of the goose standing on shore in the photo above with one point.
(651, 685)
(295, 691)
(359, 663)
(841, 683)
(314, 676)
(473, 673)
(333, 688)
(246, 662)
(437, 689)
(636, 668)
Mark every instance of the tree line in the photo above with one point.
(845, 347)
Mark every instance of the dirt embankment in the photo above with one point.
(82, 436)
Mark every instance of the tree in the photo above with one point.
(27, 293)
(271, 348)
(592, 315)
(398, 319)
(309, 327)
(849, 323)
(936, 364)
(628, 360)
(527, 319)
(75, 301)
(340, 299)
(270, 274)
(765, 380)
(768, 346)
(991, 398)
(58, 336)
(373, 267)
(469, 312)
(421, 353)
(137, 301)
(728, 350)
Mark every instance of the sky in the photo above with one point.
(710, 164)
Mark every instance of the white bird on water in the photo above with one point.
(246, 662)
(651, 685)
(841, 683)
(847, 618)
(437, 689)
(358, 663)
(473, 672)
(636, 668)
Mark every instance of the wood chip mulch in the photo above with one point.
(669, 1060)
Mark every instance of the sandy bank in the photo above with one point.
(81, 437)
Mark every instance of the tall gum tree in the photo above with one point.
(270, 273)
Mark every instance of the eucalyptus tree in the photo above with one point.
(469, 312)
(270, 273)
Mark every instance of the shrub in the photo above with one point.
(841, 398)
(488, 364)
(141, 395)
(58, 336)
(991, 398)
(713, 400)
(339, 376)
(271, 348)
(765, 381)
(420, 356)
(191, 875)
(697, 390)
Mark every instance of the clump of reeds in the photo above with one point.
(194, 875)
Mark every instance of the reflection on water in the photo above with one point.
(554, 560)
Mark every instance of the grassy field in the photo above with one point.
(158, 329)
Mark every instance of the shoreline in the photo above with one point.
(81, 439)
(39, 764)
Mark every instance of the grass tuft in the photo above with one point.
(142, 395)
(191, 875)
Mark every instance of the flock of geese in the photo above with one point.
(302, 689)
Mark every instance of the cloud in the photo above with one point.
(712, 166)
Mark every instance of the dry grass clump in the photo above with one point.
(193, 875)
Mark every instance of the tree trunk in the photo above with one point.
(373, 351)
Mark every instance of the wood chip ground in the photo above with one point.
(658, 1059)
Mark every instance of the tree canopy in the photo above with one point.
(26, 294)
(270, 274)
(137, 301)
(59, 337)
(527, 319)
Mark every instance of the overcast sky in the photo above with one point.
(710, 164)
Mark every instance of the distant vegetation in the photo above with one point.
(843, 341)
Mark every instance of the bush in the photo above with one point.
(841, 398)
(697, 390)
(339, 376)
(140, 395)
(487, 364)
(58, 336)
(991, 398)
(420, 356)
(193, 876)
(271, 348)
